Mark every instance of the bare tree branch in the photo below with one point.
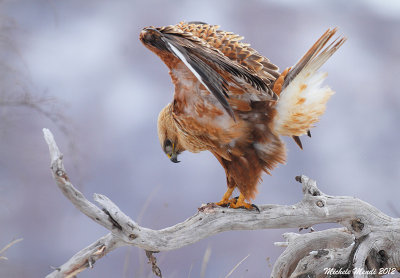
(4, 249)
(366, 232)
(87, 257)
(301, 245)
(236, 266)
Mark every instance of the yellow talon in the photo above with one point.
(235, 202)
(241, 203)
(226, 198)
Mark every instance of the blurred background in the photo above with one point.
(78, 68)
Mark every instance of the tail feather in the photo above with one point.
(310, 55)
(303, 99)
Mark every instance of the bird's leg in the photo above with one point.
(279, 82)
(226, 198)
(241, 203)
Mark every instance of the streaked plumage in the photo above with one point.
(233, 102)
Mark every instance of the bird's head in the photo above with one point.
(168, 134)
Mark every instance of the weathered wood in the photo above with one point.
(366, 233)
(300, 246)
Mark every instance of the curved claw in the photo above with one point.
(236, 202)
(256, 207)
(241, 203)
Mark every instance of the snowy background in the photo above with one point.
(86, 59)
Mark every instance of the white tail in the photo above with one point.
(303, 99)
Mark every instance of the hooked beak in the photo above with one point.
(174, 158)
(170, 151)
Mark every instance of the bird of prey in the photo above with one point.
(233, 102)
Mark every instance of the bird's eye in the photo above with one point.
(167, 143)
(168, 146)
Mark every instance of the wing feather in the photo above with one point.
(205, 74)
(212, 68)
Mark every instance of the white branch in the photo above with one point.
(360, 220)
(300, 246)
(4, 249)
(87, 257)
(319, 263)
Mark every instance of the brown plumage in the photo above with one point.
(233, 102)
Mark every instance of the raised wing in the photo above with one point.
(208, 64)
(231, 46)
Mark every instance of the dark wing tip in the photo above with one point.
(206, 74)
(197, 22)
(298, 141)
(230, 112)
